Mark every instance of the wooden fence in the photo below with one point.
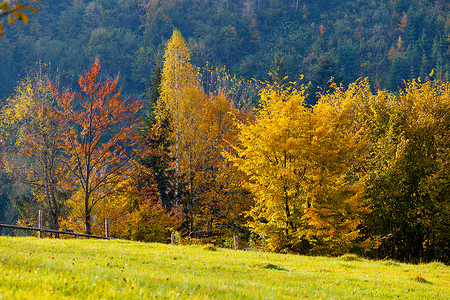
(41, 230)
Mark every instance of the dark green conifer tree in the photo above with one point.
(155, 138)
(325, 73)
(279, 70)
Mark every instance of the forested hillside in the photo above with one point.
(386, 41)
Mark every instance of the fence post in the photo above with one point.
(172, 238)
(236, 241)
(107, 229)
(40, 232)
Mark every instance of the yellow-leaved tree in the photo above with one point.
(198, 128)
(338, 151)
(32, 155)
(303, 165)
(273, 153)
(177, 85)
(181, 103)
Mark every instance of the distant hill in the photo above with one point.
(385, 40)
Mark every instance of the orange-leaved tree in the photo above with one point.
(98, 137)
(220, 197)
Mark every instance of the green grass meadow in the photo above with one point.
(32, 268)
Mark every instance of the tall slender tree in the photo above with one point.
(179, 90)
(154, 156)
(279, 70)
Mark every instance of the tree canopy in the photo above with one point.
(330, 167)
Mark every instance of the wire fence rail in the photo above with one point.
(41, 230)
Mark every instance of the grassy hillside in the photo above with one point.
(90, 269)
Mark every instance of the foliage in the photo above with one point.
(338, 151)
(408, 183)
(325, 74)
(179, 103)
(145, 218)
(32, 155)
(243, 35)
(132, 210)
(220, 197)
(97, 138)
(216, 81)
(327, 170)
(193, 129)
(278, 70)
(54, 269)
(150, 222)
(268, 154)
(300, 164)
(16, 10)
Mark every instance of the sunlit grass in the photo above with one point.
(31, 268)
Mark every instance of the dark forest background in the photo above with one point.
(387, 41)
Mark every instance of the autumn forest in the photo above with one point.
(194, 118)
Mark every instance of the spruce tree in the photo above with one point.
(325, 73)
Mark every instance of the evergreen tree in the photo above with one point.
(279, 70)
(348, 60)
(155, 139)
(325, 73)
(425, 68)
(398, 72)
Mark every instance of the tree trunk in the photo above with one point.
(87, 214)
(87, 224)
(177, 139)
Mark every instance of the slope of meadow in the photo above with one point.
(32, 268)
